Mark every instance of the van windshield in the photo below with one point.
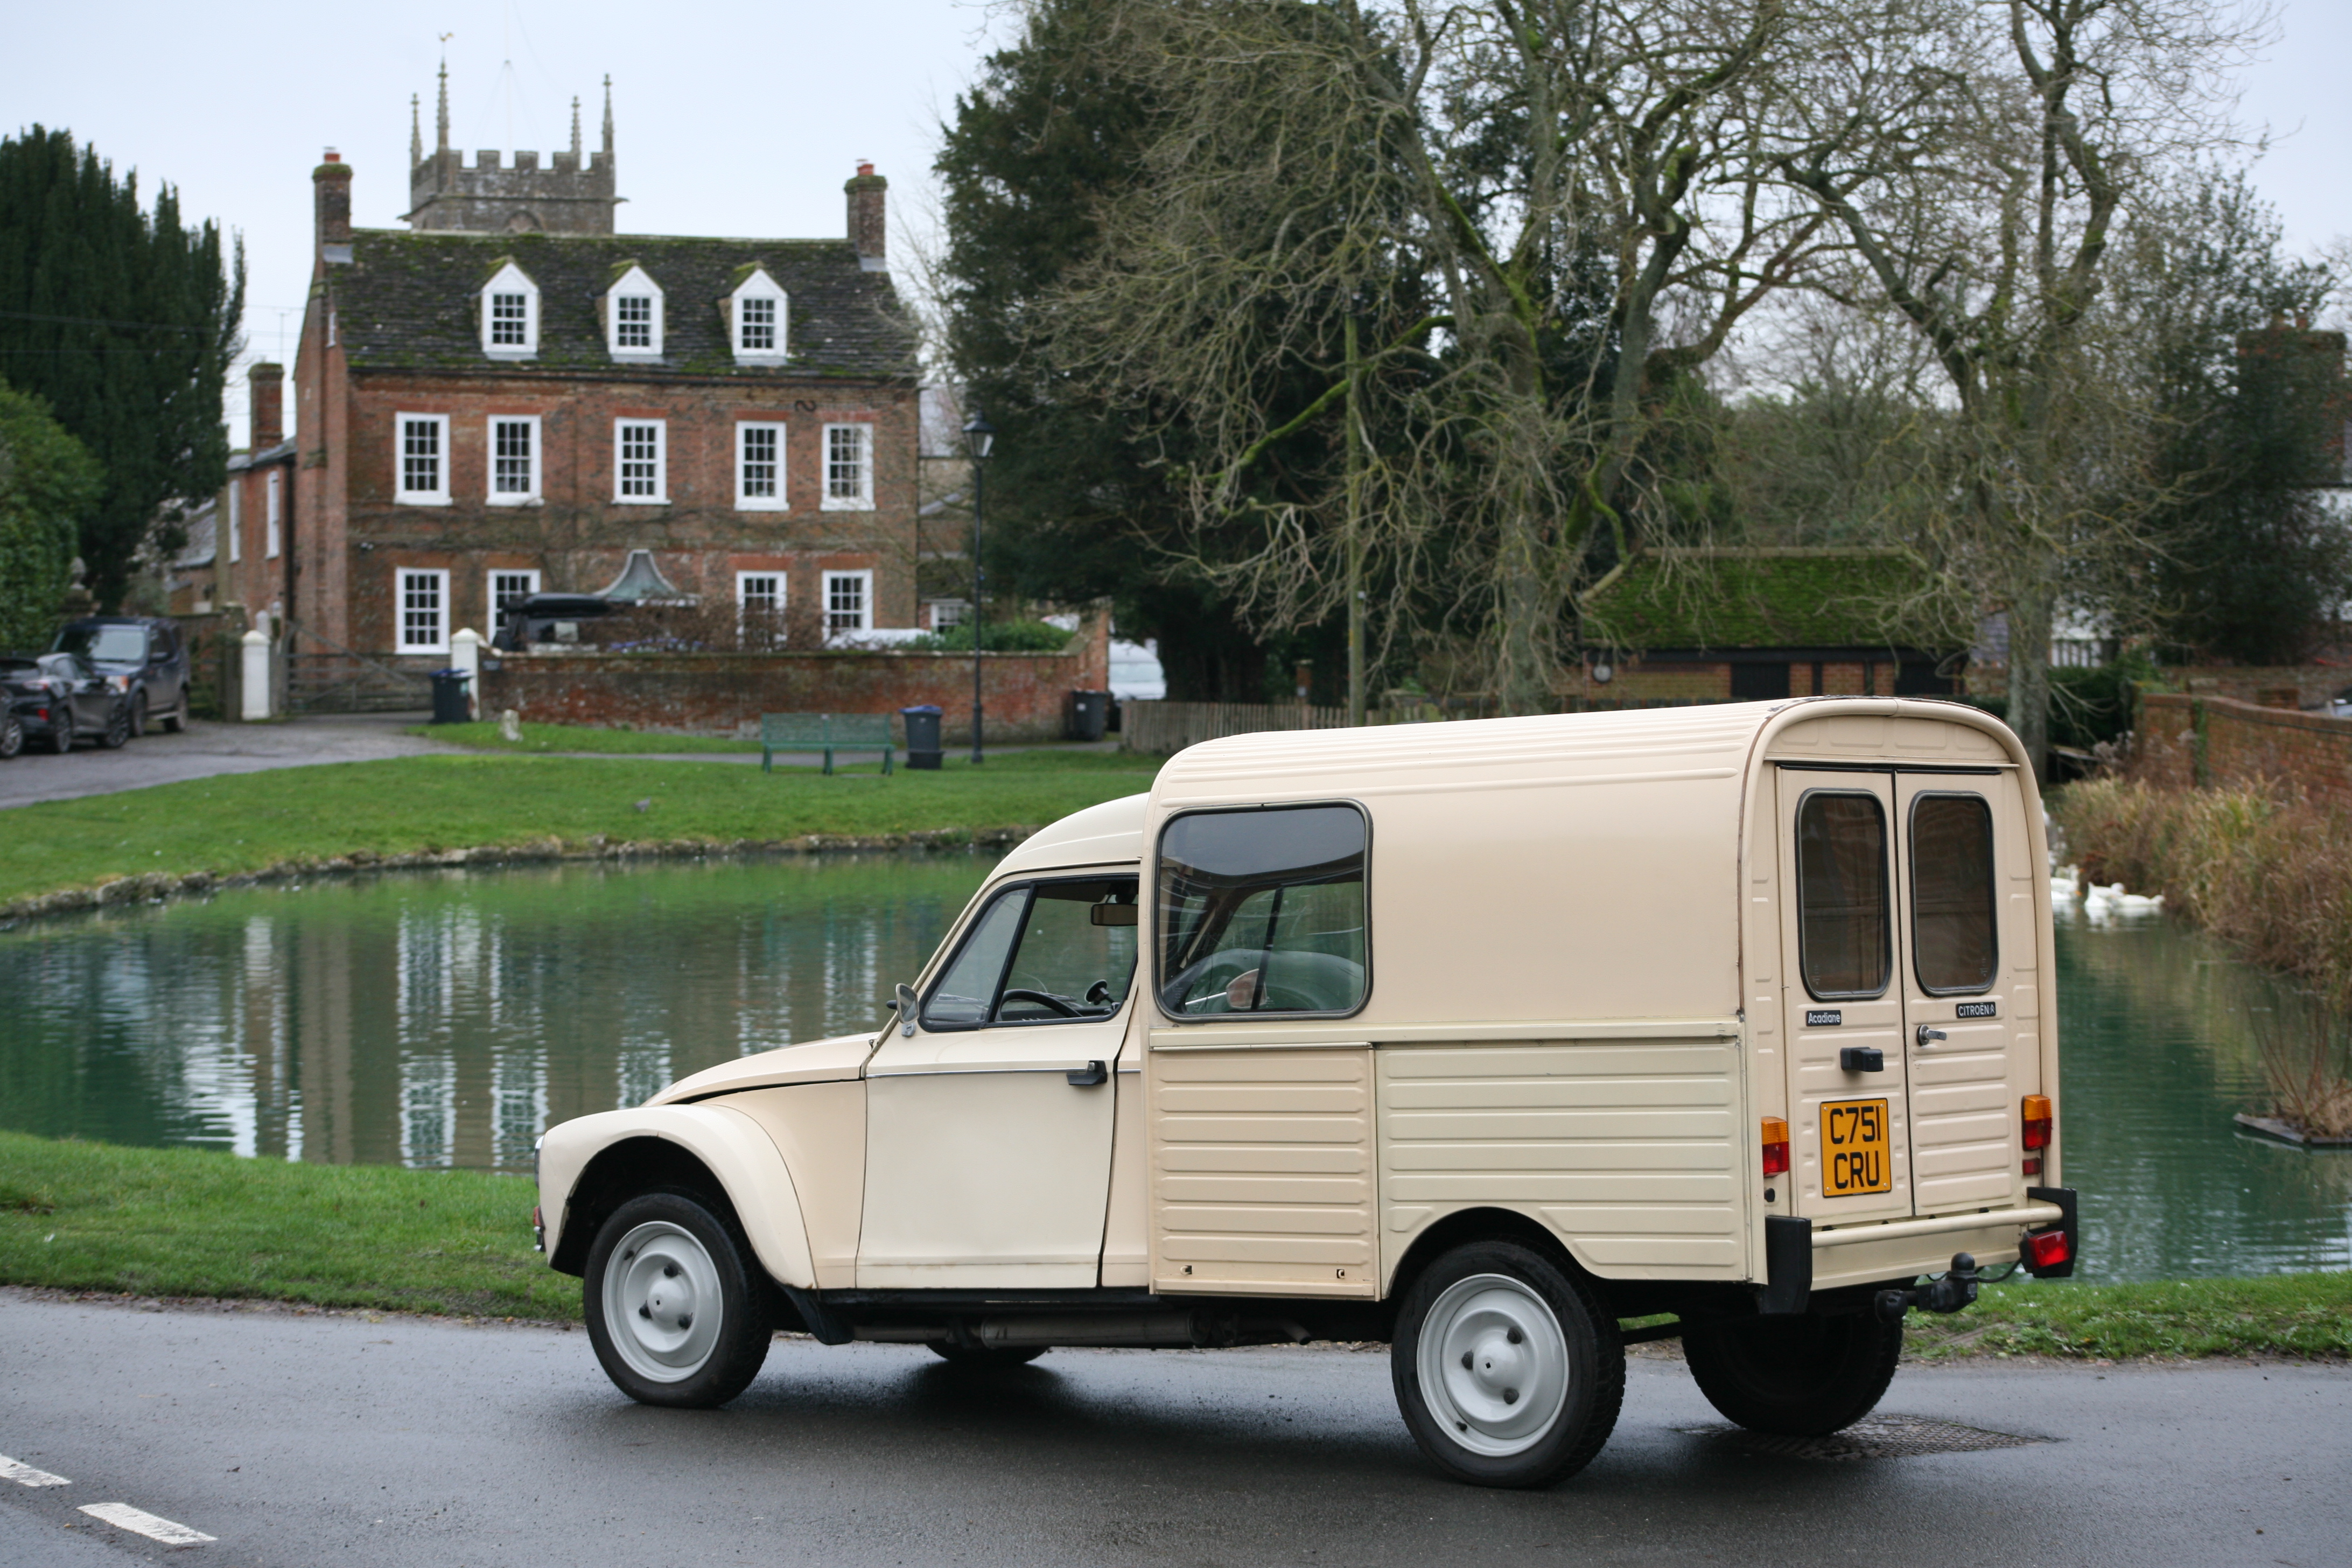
(1262, 911)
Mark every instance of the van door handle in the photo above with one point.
(1928, 1036)
(1091, 1075)
(1862, 1058)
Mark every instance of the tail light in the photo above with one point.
(1775, 1146)
(2046, 1249)
(2037, 1121)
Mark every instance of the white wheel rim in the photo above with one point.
(1492, 1364)
(662, 1302)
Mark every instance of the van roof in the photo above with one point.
(1718, 742)
(1100, 834)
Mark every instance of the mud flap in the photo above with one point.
(1787, 1266)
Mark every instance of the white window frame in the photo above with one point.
(511, 280)
(744, 501)
(490, 470)
(863, 577)
(759, 286)
(784, 581)
(949, 614)
(439, 494)
(273, 514)
(661, 463)
(490, 588)
(632, 284)
(401, 578)
(863, 501)
(236, 517)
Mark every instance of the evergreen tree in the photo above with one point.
(125, 322)
(48, 480)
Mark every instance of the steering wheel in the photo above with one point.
(1044, 999)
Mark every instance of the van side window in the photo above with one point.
(1952, 893)
(1039, 953)
(1842, 925)
(1262, 911)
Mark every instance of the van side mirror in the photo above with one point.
(1113, 914)
(906, 1005)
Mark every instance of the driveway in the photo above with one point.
(307, 1438)
(206, 749)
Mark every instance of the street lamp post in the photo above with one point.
(978, 437)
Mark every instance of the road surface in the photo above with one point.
(299, 1439)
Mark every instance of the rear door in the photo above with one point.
(1970, 986)
(1849, 1109)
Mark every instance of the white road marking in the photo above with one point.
(122, 1516)
(25, 1476)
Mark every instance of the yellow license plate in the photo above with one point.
(1856, 1154)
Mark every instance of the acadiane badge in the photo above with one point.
(1824, 1017)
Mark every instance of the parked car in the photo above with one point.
(1476, 1038)
(148, 652)
(550, 618)
(56, 698)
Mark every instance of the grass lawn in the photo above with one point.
(180, 1222)
(246, 822)
(575, 738)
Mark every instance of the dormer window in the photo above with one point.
(756, 314)
(510, 314)
(632, 315)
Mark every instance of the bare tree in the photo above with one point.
(1979, 160)
(1476, 238)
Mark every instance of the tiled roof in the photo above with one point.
(410, 301)
(1770, 598)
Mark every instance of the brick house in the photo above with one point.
(1673, 627)
(508, 397)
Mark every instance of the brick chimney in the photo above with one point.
(268, 384)
(867, 216)
(331, 192)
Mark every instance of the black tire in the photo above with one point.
(983, 1358)
(663, 1232)
(138, 715)
(1802, 1376)
(61, 732)
(119, 730)
(12, 735)
(1495, 1303)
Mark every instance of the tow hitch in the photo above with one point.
(1945, 1293)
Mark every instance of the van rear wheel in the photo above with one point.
(1800, 1376)
(1507, 1372)
(677, 1311)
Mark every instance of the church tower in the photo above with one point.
(574, 196)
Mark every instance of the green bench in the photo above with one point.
(827, 732)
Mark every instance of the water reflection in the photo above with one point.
(445, 1019)
(2159, 1049)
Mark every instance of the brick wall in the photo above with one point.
(724, 694)
(2184, 740)
(1637, 682)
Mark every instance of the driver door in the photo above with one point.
(989, 1128)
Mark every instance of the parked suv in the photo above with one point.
(146, 653)
(549, 618)
(54, 698)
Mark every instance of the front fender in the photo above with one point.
(737, 1153)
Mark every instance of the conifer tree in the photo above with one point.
(125, 322)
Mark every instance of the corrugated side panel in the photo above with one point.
(1628, 1149)
(1262, 1171)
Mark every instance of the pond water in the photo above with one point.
(441, 1019)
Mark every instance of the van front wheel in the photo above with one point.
(1507, 1372)
(676, 1313)
(1802, 1376)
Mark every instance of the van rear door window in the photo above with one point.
(1952, 893)
(1262, 911)
(1841, 929)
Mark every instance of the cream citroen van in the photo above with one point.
(1476, 1038)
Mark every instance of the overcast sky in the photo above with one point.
(732, 118)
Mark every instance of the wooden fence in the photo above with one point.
(1164, 729)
